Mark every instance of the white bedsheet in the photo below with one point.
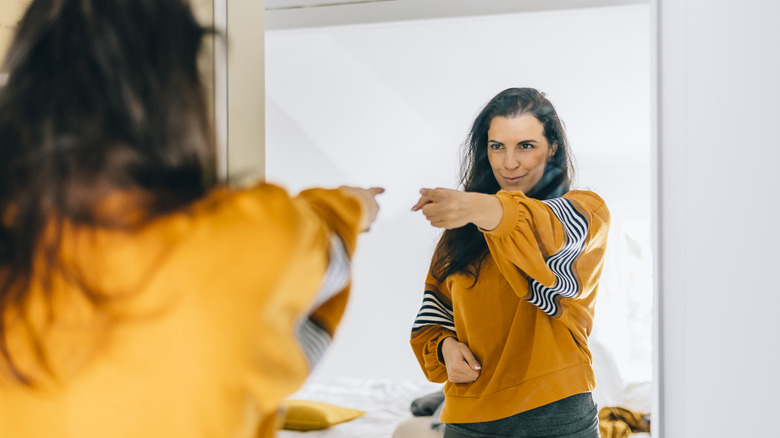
(386, 402)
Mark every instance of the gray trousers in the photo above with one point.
(572, 417)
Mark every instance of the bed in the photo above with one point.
(386, 403)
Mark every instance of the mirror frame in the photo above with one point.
(283, 15)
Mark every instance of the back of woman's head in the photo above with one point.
(102, 97)
(477, 174)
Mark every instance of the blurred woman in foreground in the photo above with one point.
(138, 296)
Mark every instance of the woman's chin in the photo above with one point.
(513, 188)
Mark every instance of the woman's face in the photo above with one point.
(518, 151)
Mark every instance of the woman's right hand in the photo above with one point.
(449, 209)
(368, 198)
(462, 366)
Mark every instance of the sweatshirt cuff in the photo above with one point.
(342, 212)
(439, 355)
(509, 218)
(436, 347)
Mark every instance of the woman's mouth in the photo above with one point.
(513, 180)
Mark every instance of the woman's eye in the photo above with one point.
(526, 146)
(495, 146)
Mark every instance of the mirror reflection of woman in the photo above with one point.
(509, 298)
(139, 296)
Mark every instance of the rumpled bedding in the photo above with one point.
(386, 402)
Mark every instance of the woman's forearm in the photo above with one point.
(486, 210)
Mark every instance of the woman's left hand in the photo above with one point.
(447, 208)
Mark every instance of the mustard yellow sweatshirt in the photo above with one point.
(528, 317)
(215, 315)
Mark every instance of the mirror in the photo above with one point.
(387, 99)
(351, 99)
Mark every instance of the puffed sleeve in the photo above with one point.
(550, 250)
(434, 323)
(318, 324)
(284, 280)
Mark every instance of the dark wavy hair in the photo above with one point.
(461, 250)
(102, 96)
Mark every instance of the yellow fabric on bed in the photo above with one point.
(616, 422)
(311, 415)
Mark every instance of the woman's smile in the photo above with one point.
(513, 179)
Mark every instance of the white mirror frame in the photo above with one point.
(283, 17)
(239, 90)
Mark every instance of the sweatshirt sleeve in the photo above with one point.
(549, 250)
(266, 275)
(343, 216)
(434, 323)
(298, 274)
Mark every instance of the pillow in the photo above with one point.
(311, 415)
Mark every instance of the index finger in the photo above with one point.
(421, 203)
(424, 199)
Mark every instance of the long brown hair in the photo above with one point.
(102, 96)
(461, 250)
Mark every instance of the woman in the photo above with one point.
(508, 303)
(139, 297)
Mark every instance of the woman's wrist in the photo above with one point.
(487, 211)
(442, 343)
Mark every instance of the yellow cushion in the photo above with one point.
(311, 415)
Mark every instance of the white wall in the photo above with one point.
(389, 104)
(718, 161)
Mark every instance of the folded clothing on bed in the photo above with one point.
(616, 422)
(427, 404)
(430, 405)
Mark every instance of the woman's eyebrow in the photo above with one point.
(530, 140)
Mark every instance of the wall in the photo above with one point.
(389, 104)
(10, 13)
(718, 235)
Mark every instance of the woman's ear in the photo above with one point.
(552, 151)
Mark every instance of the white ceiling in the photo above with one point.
(295, 14)
(292, 4)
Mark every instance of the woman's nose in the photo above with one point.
(511, 160)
